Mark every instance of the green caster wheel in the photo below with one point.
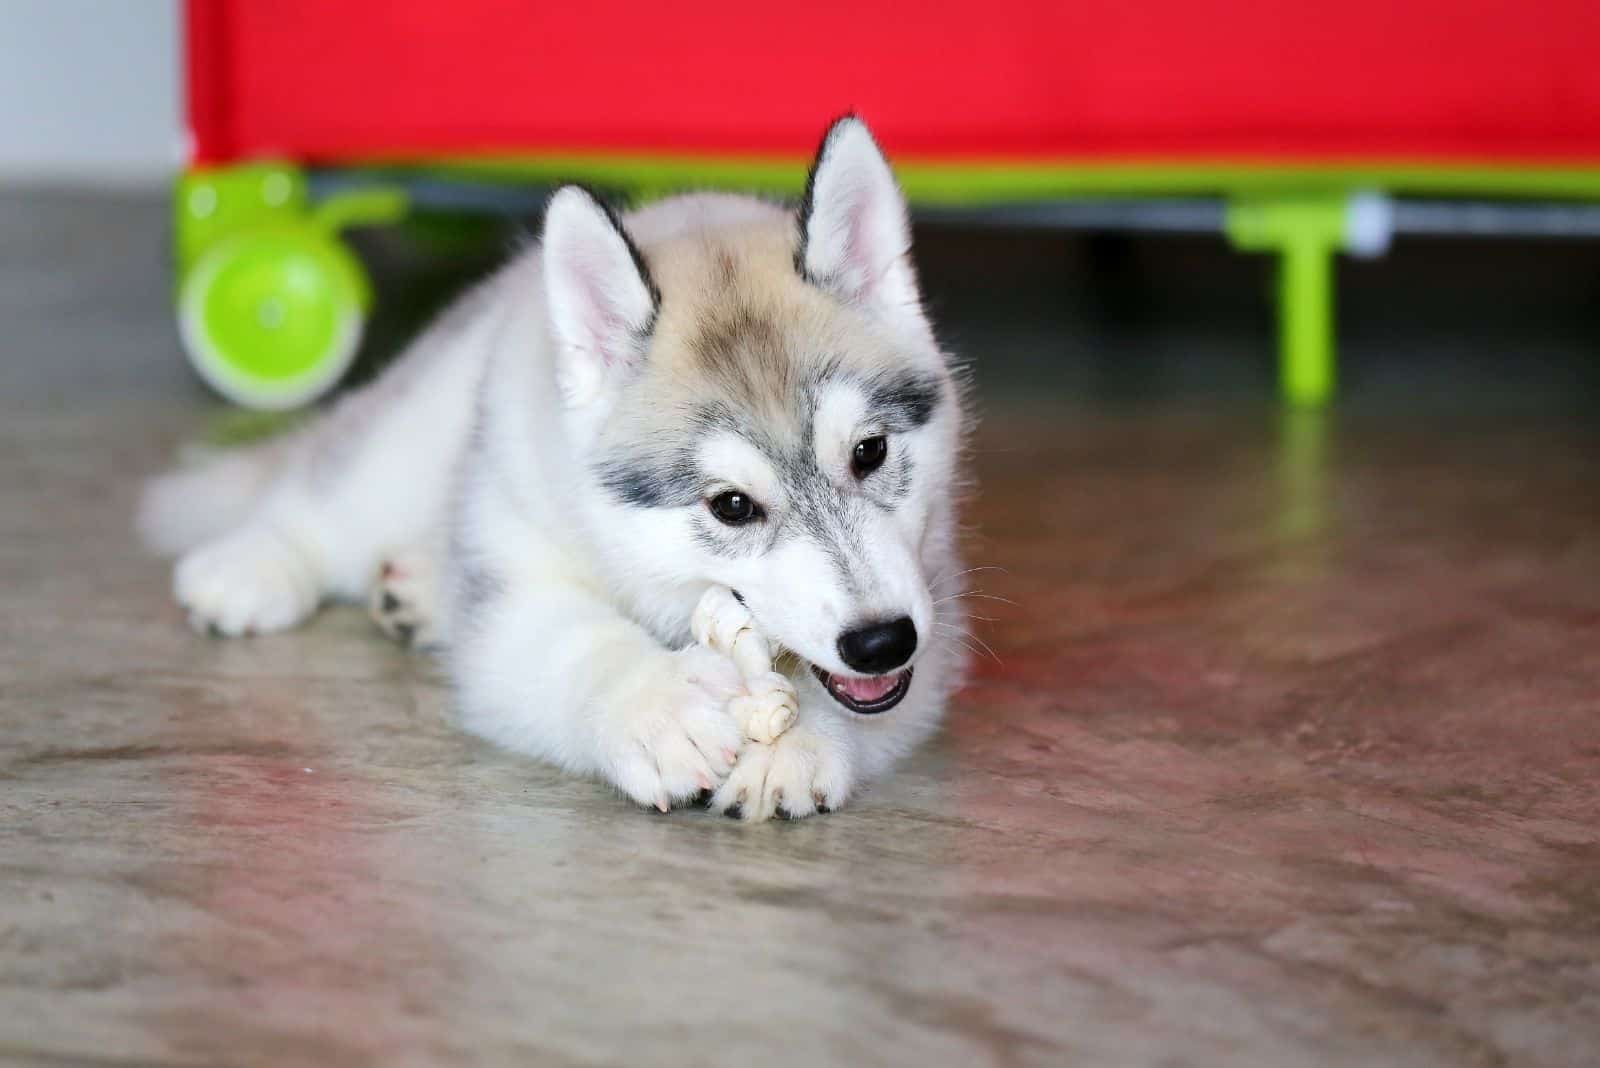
(271, 319)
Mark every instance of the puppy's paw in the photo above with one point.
(800, 774)
(251, 581)
(404, 601)
(669, 735)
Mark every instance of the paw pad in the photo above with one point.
(401, 602)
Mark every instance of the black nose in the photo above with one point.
(880, 647)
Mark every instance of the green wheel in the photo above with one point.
(271, 320)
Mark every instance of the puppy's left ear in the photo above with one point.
(855, 236)
(602, 301)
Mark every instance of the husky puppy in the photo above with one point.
(712, 390)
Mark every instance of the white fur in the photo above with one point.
(564, 613)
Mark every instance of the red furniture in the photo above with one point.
(1448, 81)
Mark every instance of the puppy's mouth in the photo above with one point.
(866, 696)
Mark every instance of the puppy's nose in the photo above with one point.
(879, 647)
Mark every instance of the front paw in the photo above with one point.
(800, 774)
(251, 581)
(670, 735)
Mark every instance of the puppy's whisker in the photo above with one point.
(978, 594)
(967, 645)
(966, 637)
(982, 596)
(986, 648)
(971, 570)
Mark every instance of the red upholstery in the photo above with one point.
(1161, 80)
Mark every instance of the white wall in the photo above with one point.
(90, 91)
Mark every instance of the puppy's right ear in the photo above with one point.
(855, 233)
(602, 301)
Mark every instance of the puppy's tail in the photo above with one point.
(211, 492)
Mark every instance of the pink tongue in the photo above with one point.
(865, 691)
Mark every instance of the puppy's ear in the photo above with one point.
(855, 237)
(602, 301)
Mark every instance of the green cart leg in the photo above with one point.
(1305, 233)
(1305, 323)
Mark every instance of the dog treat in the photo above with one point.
(722, 622)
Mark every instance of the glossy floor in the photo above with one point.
(1288, 753)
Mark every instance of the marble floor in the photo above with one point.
(1288, 753)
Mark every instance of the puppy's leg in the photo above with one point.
(549, 669)
(314, 518)
(316, 535)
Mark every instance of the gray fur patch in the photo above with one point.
(650, 480)
(716, 415)
(479, 587)
(893, 483)
(734, 542)
(820, 512)
(905, 401)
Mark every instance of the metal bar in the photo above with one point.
(1456, 218)
(438, 194)
(1141, 215)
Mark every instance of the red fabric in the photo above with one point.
(1166, 80)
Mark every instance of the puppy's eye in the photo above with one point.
(868, 456)
(734, 508)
